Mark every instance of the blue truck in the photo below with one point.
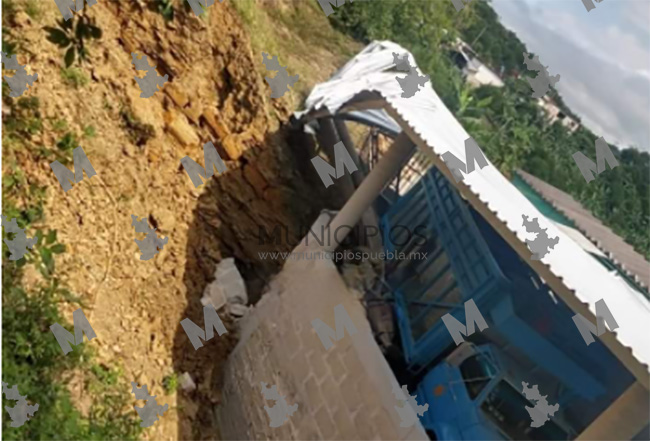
(471, 396)
(474, 390)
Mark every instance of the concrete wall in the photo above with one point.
(342, 393)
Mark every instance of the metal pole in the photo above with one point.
(369, 190)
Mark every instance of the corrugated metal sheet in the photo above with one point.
(428, 118)
(623, 254)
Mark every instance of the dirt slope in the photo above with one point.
(215, 93)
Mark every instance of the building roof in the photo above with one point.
(621, 253)
(369, 81)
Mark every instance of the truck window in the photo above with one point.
(476, 372)
(505, 407)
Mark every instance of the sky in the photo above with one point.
(602, 56)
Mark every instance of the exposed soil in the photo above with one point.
(214, 93)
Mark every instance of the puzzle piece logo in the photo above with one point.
(542, 82)
(67, 6)
(409, 409)
(22, 411)
(199, 5)
(411, 83)
(280, 413)
(19, 244)
(151, 410)
(542, 410)
(18, 83)
(542, 243)
(281, 82)
(150, 245)
(458, 4)
(151, 81)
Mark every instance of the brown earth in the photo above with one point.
(215, 93)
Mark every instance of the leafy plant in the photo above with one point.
(72, 38)
(31, 358)
(68, 143)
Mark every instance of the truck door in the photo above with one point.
(504, 408)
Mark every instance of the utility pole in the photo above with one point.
(478, 36)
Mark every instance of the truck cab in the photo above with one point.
(472, 397)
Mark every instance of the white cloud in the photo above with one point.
(603, 60)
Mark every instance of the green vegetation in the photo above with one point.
(301, 37)
(33, 9)
(73, 38)
(166, 8)
(74, 76)
(507, 123)
(89, 132)
(31, 356)
(170, 383)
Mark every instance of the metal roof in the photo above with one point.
(622, 253)
(369, 81)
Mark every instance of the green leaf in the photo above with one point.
(67, 143)
(58, 248)
(51, 237)
(8, 181)
(66, 24)
(81, 30)
(48, 261)
(69, 56)
(95, 32)
(57, 37)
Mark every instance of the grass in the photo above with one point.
(31, 357)
(75, 77)
(301, 37)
